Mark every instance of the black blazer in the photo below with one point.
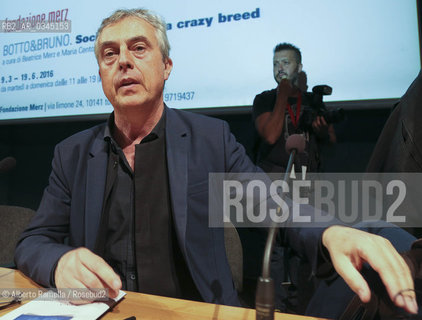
(399, 147)
(70, 210)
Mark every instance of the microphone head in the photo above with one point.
(295, 142)
(7, 164)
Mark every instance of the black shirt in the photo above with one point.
(274, 158)
(137, 227)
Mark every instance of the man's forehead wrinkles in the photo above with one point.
(282, 60)
(113, 35)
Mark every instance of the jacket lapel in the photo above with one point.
(177, 162)
(95, 187)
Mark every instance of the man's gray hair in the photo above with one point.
(157, 22)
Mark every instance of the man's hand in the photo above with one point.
(80, 268)
(285, 89)
(350, 248)
(320, 126)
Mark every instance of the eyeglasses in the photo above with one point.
(10, 302)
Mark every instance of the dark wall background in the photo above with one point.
(33, 144)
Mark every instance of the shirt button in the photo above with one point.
(132, 276)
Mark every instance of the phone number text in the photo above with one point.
(179, 96)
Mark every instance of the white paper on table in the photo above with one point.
(47, 307)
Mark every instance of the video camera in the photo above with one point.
(319, 108)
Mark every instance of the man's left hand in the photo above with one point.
(320, 126)
(350, 248)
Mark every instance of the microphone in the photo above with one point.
(295, 143)
(264, 299)
(7, 164)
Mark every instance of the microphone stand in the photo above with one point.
(264, 299)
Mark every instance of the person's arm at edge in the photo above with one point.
(349, 248)
(270, 124)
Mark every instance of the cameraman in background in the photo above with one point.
(277, 114)
(286, 110)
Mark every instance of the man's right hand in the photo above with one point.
(285, 89)
(81, 268)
